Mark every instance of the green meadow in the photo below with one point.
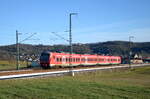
(119, 84)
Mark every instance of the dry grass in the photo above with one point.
(5, 65)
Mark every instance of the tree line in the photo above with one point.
(119, 48)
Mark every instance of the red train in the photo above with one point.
(52, 59)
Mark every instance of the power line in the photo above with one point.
(28, 38)
(59, 36)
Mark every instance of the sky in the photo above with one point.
(97, 21)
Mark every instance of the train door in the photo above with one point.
(86, 60)
(63, 60)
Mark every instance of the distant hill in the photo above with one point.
(120, 48)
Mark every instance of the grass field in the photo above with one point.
(128, 84)
(5, 65)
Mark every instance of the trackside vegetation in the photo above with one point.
(119, 84)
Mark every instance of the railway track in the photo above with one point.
(36, 70)
(52, 72)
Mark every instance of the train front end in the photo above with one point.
(45, 59)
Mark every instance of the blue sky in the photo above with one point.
(97, 20)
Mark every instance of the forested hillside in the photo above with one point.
(120, 48)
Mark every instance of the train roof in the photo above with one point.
(48, 52)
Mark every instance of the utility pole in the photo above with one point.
(130, 52)
(70, 42)
(17, 49)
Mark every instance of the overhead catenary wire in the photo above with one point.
(28, 37)
(60, 36)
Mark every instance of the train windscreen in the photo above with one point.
(44, 57)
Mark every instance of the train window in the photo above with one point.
(78, 59)
(57, 59)
(70, 59)
(89, 59)
(100, 59)
(83, 60)
(66, 59)
(60, 59)
(96, 59)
